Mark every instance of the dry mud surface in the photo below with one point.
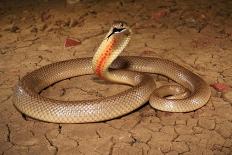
(195, 34)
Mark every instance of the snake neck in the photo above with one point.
(107, 52)
(103, 56)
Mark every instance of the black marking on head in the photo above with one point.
(116, 30)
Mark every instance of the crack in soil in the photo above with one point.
(51, 144)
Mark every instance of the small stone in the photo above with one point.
(159, 14)
(221, 87)
(70, 42)
(206, 123)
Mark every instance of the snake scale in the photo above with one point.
(191, 93)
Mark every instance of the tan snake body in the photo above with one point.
(125, 70)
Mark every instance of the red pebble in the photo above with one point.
(69, 42)
(221, 87)
(159, 14)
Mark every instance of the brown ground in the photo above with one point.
(195, 34)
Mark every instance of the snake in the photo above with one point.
(189, 93)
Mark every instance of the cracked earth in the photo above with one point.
(194, 34)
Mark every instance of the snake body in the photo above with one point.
(106, 64)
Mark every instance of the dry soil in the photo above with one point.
(196, 34)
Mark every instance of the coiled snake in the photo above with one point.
(107, 65)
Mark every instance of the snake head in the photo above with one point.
(119, 27)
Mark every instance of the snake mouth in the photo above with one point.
(116, 30)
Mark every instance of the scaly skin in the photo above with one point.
(27, 99)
